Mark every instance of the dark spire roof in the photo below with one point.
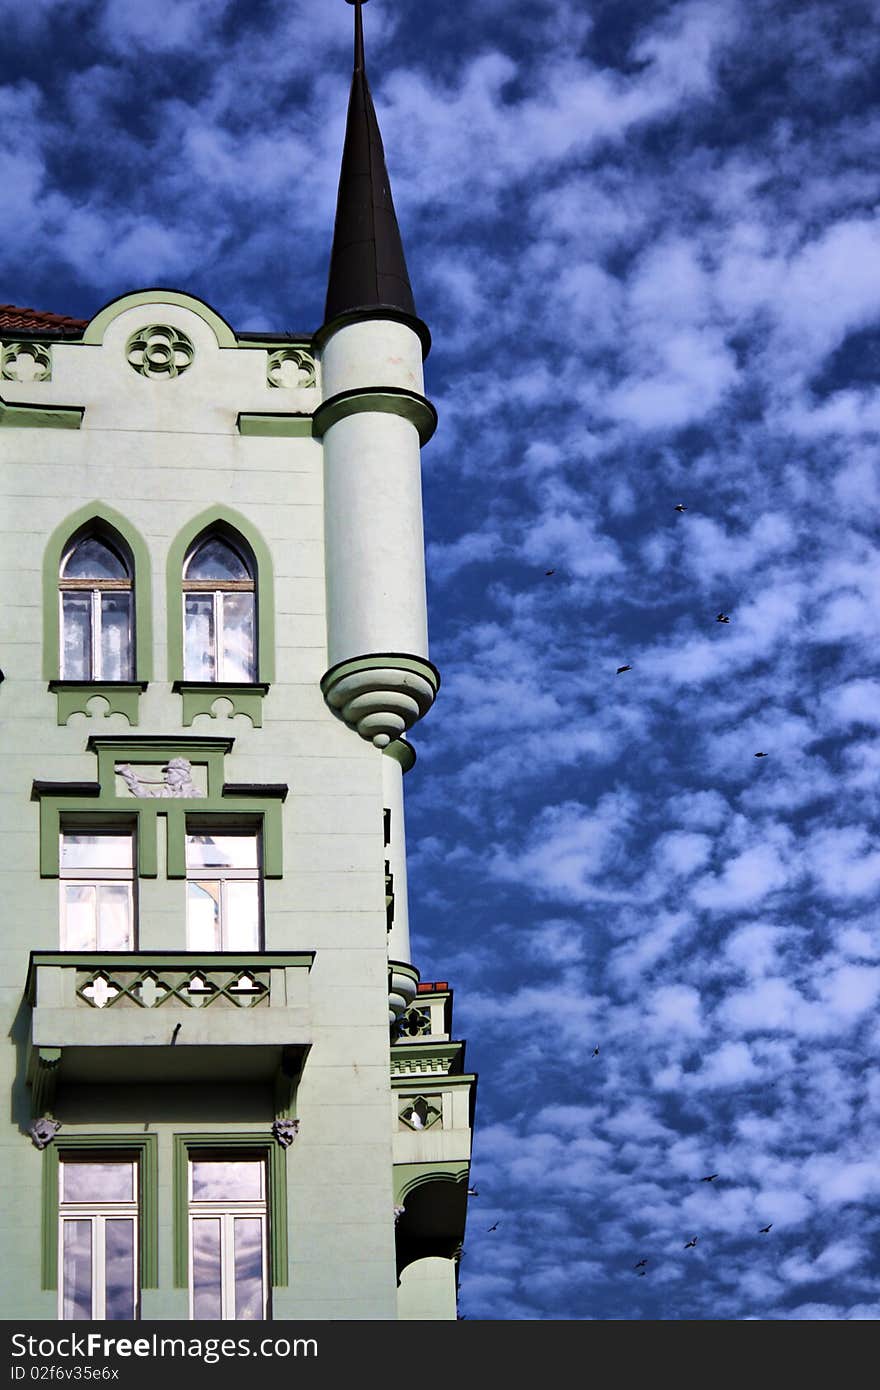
(367, 265)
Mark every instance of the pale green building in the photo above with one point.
(230, 1096)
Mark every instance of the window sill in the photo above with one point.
(74, 697)
(200, 697)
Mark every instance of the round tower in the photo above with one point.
(373, 419)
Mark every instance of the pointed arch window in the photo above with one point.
(96, 595)
(219, 611)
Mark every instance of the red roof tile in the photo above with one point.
(39, 321)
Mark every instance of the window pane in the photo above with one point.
(98, 1180)
(119, 1268)
(92, 559)
(199, 657)
(116, 645)
(203, 916)
(80, 926)
(76, 637)
(227, 1179)
(238, 637)
(248, 1267)
(215, 559)
(76, 1271)
(241, 929)
(207, 851)
(99, 851)
(206, 1268)
(114, 917)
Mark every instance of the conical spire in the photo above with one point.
(367, 265)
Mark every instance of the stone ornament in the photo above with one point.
(419, 1113)
(415, 1023)
(285, 1131)
(177, 780)
(26, 362)
(159, 351)
(290, 367)
(398, 1213)
(43, 1131)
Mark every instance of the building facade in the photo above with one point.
(231, 1096)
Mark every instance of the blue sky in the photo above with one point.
(645, 238)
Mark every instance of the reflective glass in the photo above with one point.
(119, 1268)
(238, 636)
(199, 656)
(203, 917)
(76, 1271)
(221, 851)
(116, 646)
(76, 637)
(98, 851)
(92, 559)
(227, 1180)
(207, 1293)
(241, 928)
(80, 927)
(248, 1238)
(99, 1180)
(215, 559)
(114, 917)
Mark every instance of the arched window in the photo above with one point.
(219, 612)
(97, 623)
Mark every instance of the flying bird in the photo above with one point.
(680, 507)
(765, 1229)
(722, 618)
(595, 1052)
(642, 1273)
(760, 755)
(711, 1178)
(472, 1192)
(175, 1033)
(640, 1264)
(492, 1228)
(691, 1243)
(621, 669)
(549, 572)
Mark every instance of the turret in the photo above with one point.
(374, 418)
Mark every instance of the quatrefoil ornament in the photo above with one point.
(159, 351)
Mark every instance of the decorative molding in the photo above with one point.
(427, 1058)
(290, 367)
(15, 356)
(379, 400)
(285, 1131)
(413, 1023)
(177, 780)
(160, 351)
(381, 695)
(200, 697)
(28, 415)
(43, 1067)
(197, 987)
(420, 1113)
(274, 424)
(74, 697)
(387, 312)
(94, 333)
(403, 980)
(43, 1131)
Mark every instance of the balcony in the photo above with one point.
(169, 1016)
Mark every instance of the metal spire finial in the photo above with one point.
(358, 34)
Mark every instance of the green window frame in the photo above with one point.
(146, 1150)
(105, 522)
(276, 1178)
(237, 529)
